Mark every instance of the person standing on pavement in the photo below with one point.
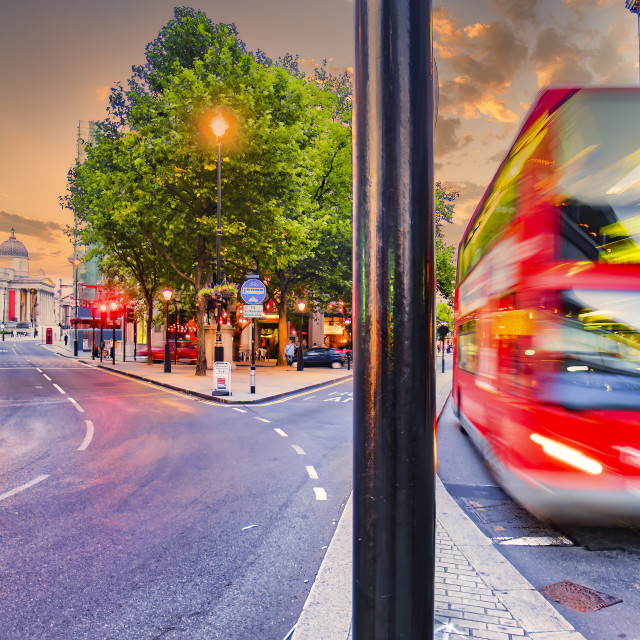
(289, 350)
(66, 339)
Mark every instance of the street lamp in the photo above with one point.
(301, 306)
(166, 294)
(219, 126)
(75, 262)
(634, 7)
(114, 315)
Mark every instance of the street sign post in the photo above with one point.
(253, 291)
(221, 379)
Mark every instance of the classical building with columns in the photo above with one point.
(25, 301)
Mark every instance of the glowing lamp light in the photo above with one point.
(114, 306)
(103, 307)
(166, 294)
(218, 125)
(568, 455)
(301, 305)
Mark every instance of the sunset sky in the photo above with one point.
(59, 58)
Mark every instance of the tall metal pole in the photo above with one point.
(75, 336)
(300, 356)
(393, 328)
(253, 356)
(218, 350)
(167, 347)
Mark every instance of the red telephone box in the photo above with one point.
(49, 335)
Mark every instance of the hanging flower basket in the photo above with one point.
(224, 291)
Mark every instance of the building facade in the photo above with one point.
(26, 302)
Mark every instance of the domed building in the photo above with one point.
(26, 302)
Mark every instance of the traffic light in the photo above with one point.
(131, 317)
(103, 313)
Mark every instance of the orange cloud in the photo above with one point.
(102, 93)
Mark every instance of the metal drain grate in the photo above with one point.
(575, 596)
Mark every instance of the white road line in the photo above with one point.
(76, 405)
(309, 398)
(313, 474)
(536, 541)
(262, 419)
(88, 436)
(321, 494)
(64, 393)
(22, 487)
(240, 410)
(46, 376)
(280, 432)
(38, 370)
(298, 450)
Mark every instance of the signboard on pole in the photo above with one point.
(253, 291)
(252, 310)
(221, 379)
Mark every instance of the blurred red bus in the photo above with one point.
(546, 376)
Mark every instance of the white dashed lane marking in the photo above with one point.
(280, 432)
(321, 494)
(262, 419)
(47, 377)
(240, 410)
(298, 450)
(76, 405)
(22, 487)
(313, 474)
(88, 436)
(64, 393)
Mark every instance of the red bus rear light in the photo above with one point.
(567, 454)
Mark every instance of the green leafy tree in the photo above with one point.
(286, 164)
(96, 192)
(445, 254)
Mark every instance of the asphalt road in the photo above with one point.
(131, 512)
(604, 560)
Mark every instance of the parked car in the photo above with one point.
(323, 357)
(187, 350)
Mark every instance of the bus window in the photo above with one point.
(467, 346)
(600, 366)
(599, 233)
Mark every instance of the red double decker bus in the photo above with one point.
(546, 375)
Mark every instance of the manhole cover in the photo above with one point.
(575, 596)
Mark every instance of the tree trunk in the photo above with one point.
(283, 338)
(201, 365)
(149, 327)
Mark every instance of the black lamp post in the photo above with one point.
(166, 294)
(3, 332)
(301, 306)
(75, 262)
(634, 7)
(103, 317)
(219, 126)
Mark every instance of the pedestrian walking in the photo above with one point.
(289, 350)
(66, 339)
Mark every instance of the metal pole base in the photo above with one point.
(253, 378)
(75, 347)
(167, 357)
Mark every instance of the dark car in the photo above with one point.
(324, 357)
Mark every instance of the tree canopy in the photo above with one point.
(286, 173)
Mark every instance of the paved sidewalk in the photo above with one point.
(271, 381)
(478, 594)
